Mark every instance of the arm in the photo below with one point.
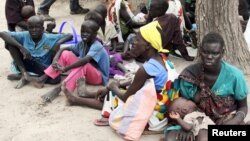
(121, 67)
(67, 37)
(114, 43)
(240, 114)
(58, 54)
(187, 6)
(54, 63)
(10, 40)
(188, 23)
(79, 63)
(185, 126)
(140, 78)
(50, 27)
(23, 24)
(128, 20)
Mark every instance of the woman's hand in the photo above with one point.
(101, 93)
(113, 85)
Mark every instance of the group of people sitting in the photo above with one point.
(157, 98)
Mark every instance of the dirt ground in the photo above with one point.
(24, 118)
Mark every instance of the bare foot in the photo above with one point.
(81, 87)
(51, 95)
(21, 83)
(37, 82)
(70, 97)
(14, 76)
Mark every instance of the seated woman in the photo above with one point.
(218, 88)
(130, 118)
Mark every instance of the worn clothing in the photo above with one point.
(114, 17)
(229, 87)
(109, 33)
(170, 35)
(156, 70)
(192, 118)
(33, 66)
(13, 12)
(96, 72)
(98, 54)
(130, 119)
(38, 69)
(171, 32)
(175, 8)
(229, 82)
(40, 51)
(88, 71)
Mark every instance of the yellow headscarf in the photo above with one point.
(151, 34)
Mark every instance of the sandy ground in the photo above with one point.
(24, 118)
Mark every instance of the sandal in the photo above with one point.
(102, 122)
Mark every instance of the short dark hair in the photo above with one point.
(93, 16)
(162, 5)
(36, 19)
(91, 24)
(213, 37)
(102, 10)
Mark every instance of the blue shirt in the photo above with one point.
(98, 53)
(41, 51)
(156, 70)
(230, 82)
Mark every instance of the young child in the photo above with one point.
(186, 114)
(26, 12)
(87, 60)
(29, 11)
(108, 36)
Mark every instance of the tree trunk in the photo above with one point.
(222, 16)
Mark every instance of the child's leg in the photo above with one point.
(38, 68)
(89, 72)
(52, 94)
(74, 100)
(87, 91)
(18, 59)
(66, 58)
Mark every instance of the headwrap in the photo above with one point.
(151, 34)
